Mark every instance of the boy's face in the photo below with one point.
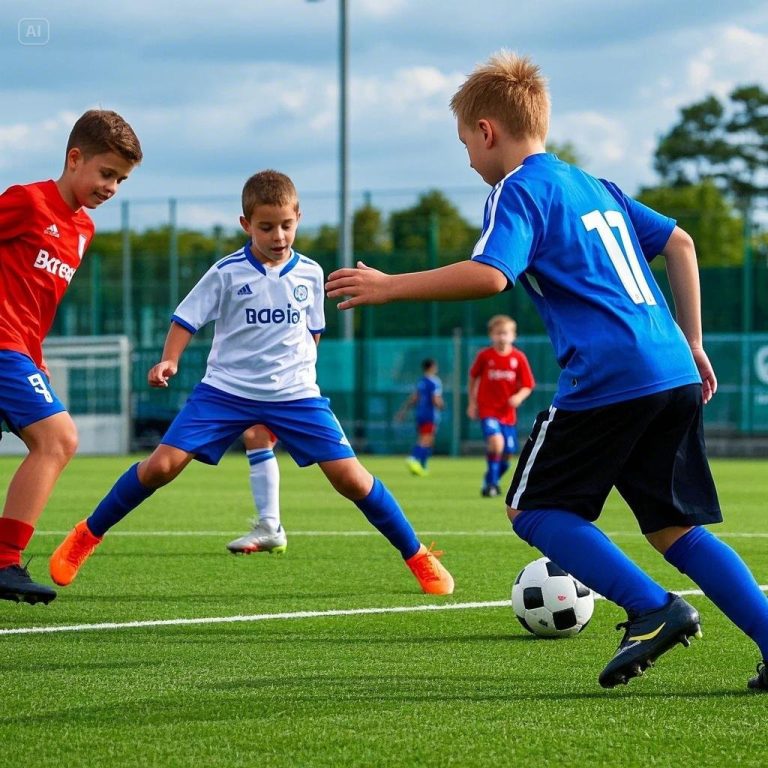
(90, 182)
(272, 229)
(479, 143)
(502, 336)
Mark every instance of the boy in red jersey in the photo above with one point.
(500, 379)
(44, 233)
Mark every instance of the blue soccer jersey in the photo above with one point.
(426, 388)
(581, 249)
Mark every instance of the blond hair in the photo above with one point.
(268, 188)
(497, 320)
(510, 89)
(102, 130)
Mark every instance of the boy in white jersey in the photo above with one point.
(266, 301)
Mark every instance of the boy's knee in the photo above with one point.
(157, 471)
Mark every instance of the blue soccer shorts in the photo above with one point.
(651, 449)
(26, 395)
(211, 420)
(507, 431)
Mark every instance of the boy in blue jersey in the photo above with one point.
(266, 301)
(427, 402)
(628, 409)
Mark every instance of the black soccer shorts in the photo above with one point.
(650, 448)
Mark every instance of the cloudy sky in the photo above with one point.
(219, 90)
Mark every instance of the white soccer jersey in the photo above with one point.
(264, 317)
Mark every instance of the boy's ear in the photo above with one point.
(488, 131)
(73, 158)
(246, 225)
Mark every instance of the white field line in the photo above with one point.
(150, 534)
(281, 616)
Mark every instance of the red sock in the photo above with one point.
(14, 537)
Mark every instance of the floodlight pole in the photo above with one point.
(344, 253)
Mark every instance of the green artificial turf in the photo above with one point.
(461, 687)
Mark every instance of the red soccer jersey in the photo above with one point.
(501, 376)
(42, 241)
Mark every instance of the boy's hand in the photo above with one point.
(364, 285)
(159, 374)
(472, 410)
(707, 373)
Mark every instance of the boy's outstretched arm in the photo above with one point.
(683, 273)
(175, 343)
(463, 280)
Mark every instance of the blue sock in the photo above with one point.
(725, 580)
(584, 551)
(384, 514)
(426, 452)
(418, 454)
(503, 467)
(492, 473)
(126, 494)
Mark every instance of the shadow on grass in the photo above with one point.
(293, 696)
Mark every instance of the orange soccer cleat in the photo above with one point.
(69, 556)
(432, 575)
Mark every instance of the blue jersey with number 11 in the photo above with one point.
(581, 249)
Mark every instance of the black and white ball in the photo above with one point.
(549, 602)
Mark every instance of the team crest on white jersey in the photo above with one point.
(300, 292)
(53, 231)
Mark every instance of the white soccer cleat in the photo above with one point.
(260, 539)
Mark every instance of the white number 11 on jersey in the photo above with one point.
(624, 261)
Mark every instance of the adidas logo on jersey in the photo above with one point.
(53, 231)
(245, 291)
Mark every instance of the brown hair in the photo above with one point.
(509, 88)
(501, 320)
(268, 188)
(101, 130)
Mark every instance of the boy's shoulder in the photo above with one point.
(307, 263)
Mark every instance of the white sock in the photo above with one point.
(265, 486)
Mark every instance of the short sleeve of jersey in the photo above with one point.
(316, 310)
(201, 305)
(652, 228)
(478, 365)
(14, 208)
(524, 372)
(510, 231)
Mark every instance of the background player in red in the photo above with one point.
(500, 379)
(44, 233)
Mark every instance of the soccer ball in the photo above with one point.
(549, 602)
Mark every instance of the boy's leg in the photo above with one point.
(421, 451)
(494, 449)
(52, 442)
(133, 487)
(311, 433)
(723, 577)
(373, 499)
(267, 535)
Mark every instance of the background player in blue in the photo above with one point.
(266, 301)
(427, 402)
(628, 409)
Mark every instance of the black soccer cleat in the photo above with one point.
(760, 681)
(647, 637)
(490, 491)
(17, 585)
